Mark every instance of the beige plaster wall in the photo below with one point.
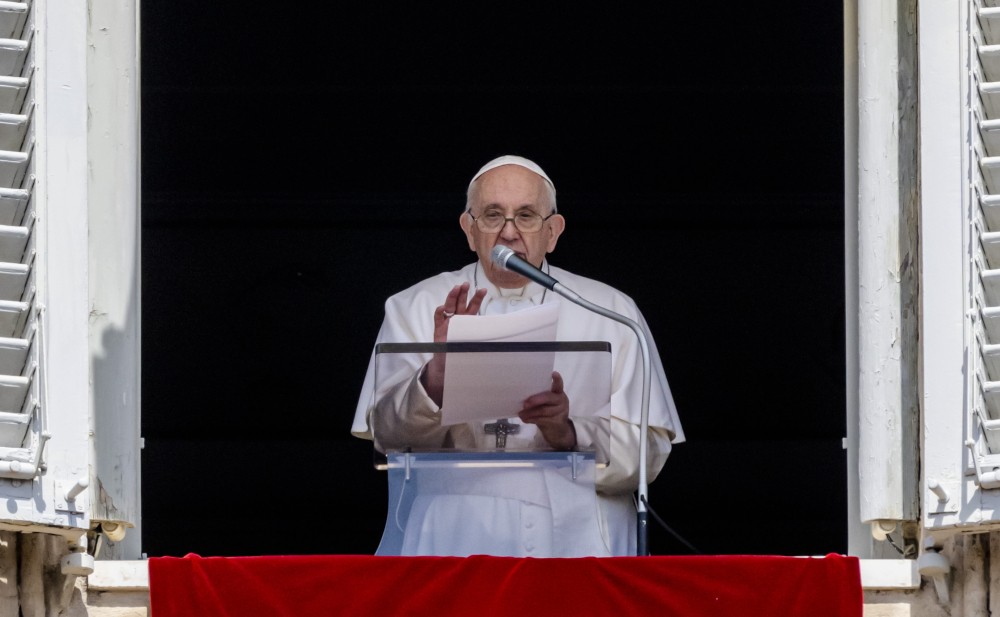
(107, 603)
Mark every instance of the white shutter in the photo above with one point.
(69, 275)
(44, 355)
(960, 242)
(984, 252)
(21, 423)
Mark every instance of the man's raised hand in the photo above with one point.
(454, 304)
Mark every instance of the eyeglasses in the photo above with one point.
(526, 221)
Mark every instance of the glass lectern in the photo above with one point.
(457, 463)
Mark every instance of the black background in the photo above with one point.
(302, 162)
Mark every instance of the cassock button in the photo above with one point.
(529, 525)
(529, 548)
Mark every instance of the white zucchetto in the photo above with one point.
(510, 159)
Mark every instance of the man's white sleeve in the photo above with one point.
(405, 416)
(622, 475)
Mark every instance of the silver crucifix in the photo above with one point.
(501, 428)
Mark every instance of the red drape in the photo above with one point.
(486, 586)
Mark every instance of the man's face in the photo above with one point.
(511, 190)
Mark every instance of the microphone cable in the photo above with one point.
(669, 530)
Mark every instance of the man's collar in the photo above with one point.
(531, 291)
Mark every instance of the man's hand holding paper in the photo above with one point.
(487, 387)
(549, 411)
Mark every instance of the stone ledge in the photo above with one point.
(899, 574)
(119, 576)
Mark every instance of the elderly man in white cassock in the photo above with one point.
(512, 202)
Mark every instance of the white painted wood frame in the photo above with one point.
(61, 199)
(115, 290)
(887, 325)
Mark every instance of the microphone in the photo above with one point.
(505, 258)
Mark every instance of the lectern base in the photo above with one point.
(512, 504)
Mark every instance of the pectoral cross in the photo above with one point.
(501, 428)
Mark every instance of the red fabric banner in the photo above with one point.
(487, 586)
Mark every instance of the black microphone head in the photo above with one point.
(500, 254)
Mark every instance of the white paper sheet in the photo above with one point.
(490, 386)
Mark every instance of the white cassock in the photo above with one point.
(515, 512)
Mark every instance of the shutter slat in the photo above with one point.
(12, 18)
(991, 356)
(13, 53)
(991, 322)
(989, 24)
(12, 392)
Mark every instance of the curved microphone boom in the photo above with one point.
(505, 258)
